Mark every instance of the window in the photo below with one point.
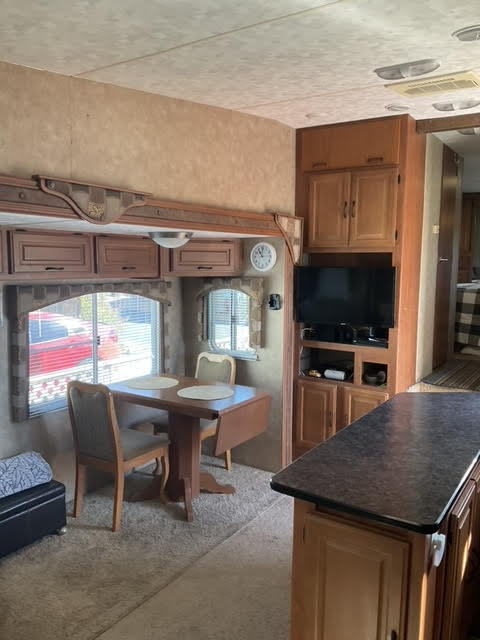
(101, 337)
(228, 312)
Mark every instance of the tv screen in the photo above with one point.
(361, 297)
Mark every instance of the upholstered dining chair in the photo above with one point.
(99, 443)
(211, 367)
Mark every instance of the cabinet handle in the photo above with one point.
(443, 259)
(353, 209)
(128, 268)
(204, 267)
(345, 209)
(393, 635)
(329, 424)
(374, 158)
(54, 268)
(317, 165)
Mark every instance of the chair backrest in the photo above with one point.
(94, 423)
(215, 367)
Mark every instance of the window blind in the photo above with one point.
(102, 337)
(229, 322)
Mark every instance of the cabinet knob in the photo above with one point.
(353, 209)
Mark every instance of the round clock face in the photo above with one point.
(263, 256)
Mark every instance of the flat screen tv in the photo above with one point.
(361, 297)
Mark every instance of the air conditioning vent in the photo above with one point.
(436, 84)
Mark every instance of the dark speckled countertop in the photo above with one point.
(403, 464)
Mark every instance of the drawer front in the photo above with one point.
(204, 258)
(127, 257)
(51, 253)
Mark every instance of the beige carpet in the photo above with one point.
(78, 585)
(238, 591)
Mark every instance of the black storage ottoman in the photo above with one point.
(31, 514)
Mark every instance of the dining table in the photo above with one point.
(241, 414)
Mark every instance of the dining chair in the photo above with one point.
(211, 367)
(99, 443)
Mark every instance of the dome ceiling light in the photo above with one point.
(408, 69)
(468, 34)
(473, 131)
(171, 239)
(458, 105)
(397, 108)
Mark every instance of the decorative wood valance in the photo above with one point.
(103, 205)
(95, 203)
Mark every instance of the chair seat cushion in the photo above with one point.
(136, 443)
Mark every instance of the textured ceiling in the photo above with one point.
(280, 59)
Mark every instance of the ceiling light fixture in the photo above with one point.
(455, 106)
(397, 107)
(468, 34)
(408, 69)
(171, 239)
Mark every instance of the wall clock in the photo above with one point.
(263, 256)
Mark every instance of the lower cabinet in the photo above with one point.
(323, 408)
(348, 582)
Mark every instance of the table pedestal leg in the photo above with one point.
(184, 480)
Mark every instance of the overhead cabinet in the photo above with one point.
(352, 210)
(358, 144)
(127, 257)
(58, 255)
(204, 258)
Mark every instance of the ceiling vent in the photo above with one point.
(436, 84)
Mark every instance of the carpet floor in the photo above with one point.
(238, 591)
(78, 585)
(456, 374)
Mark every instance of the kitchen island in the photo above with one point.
(387, 524)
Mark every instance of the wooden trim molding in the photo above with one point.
(431, 125)
(102, 205)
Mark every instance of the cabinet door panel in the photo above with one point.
(329, 196)
(3, 253)
(55, 254)
(358, 402)
(207, 258)
(351, 585)
(316, 413)
(373, 207)
(459, 569)
(127, 257)
(351, 145)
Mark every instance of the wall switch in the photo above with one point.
(436, 229)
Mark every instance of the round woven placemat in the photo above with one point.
(152, 382)
(205, 392)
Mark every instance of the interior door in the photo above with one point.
(446, 239)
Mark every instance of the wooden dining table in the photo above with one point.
(241, 416)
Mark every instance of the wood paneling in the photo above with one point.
(56, 255)
(127, 257)
(465, 248)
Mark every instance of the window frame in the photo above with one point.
(251, 354)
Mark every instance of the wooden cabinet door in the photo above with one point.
(127, 257)
(53, 255)
(344, 146)
(328, 210)
(206, 258)
(459, 565)
(3, 253)
(347, 583)
(358, 402)
(373, 208)
(316, 405)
